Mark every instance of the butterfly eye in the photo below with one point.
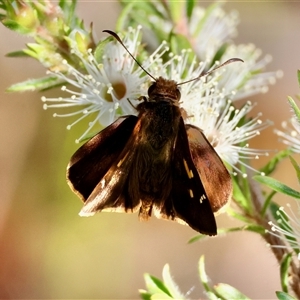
(151, 88)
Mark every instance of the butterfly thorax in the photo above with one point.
(159, 119)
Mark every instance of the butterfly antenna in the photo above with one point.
(229, 61)
(112, 33)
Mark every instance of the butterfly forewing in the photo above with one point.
(92, 160)
(189, 199)
(112, 192)
(213, 173)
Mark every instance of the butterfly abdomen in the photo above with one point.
(151, 168)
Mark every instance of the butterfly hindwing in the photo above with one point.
(213, 173)
(189, 199)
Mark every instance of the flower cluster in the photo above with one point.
(290, 135)
(287, 228)
(102, 82)
(111, 89)
(106, 87)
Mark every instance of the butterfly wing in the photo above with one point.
(213, 173)
(188, 202)
(100, 155)
(111, 193)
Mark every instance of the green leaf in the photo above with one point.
(189, 8)
(196, 238)
(139, 12)
(296, 167)
(155, 285)
(267, 203)
(277, 186)
(178, 43)
(295, 108)
(298, 75)
(221, 290)
(203, 276)
(212, 296)
(272, 164)
(160, 296)
(145, 295)
(226, 291)
(239, 196)
(161, 290)
(176, 9)
(219, 54)
(284, 271)
(274, 207)
(238, 216)
(43, 83)
(170, 284)
(99, 51)
(251, 227)
(157, 289)
(284, 296)
(12, 25)
(20, 53)
(71, 12)
(123, 16)
(2, 17)
(35, 50)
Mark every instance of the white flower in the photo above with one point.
(248, 78)
(210, 29)
(291, 134)
(105, 89)
(211, 110)
(287, 229)
(227, 133)
(207, 30)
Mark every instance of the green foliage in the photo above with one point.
(294, 108)
(189, 8)
(296, 167)
(153, 15)
(284, 296)
(219, 291)
(267, 203)
(41, 84)
(284, 223)
(99, 50)
(272, 164)
(284, 271)
(277, 186)
(168, 289)
(239, 194)
(251, 227)
(161, 289)
(62, 31)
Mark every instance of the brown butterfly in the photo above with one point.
(153, 162)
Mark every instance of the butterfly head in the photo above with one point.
(164, 89)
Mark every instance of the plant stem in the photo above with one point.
(272, 240)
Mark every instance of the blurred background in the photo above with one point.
(48, 251)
